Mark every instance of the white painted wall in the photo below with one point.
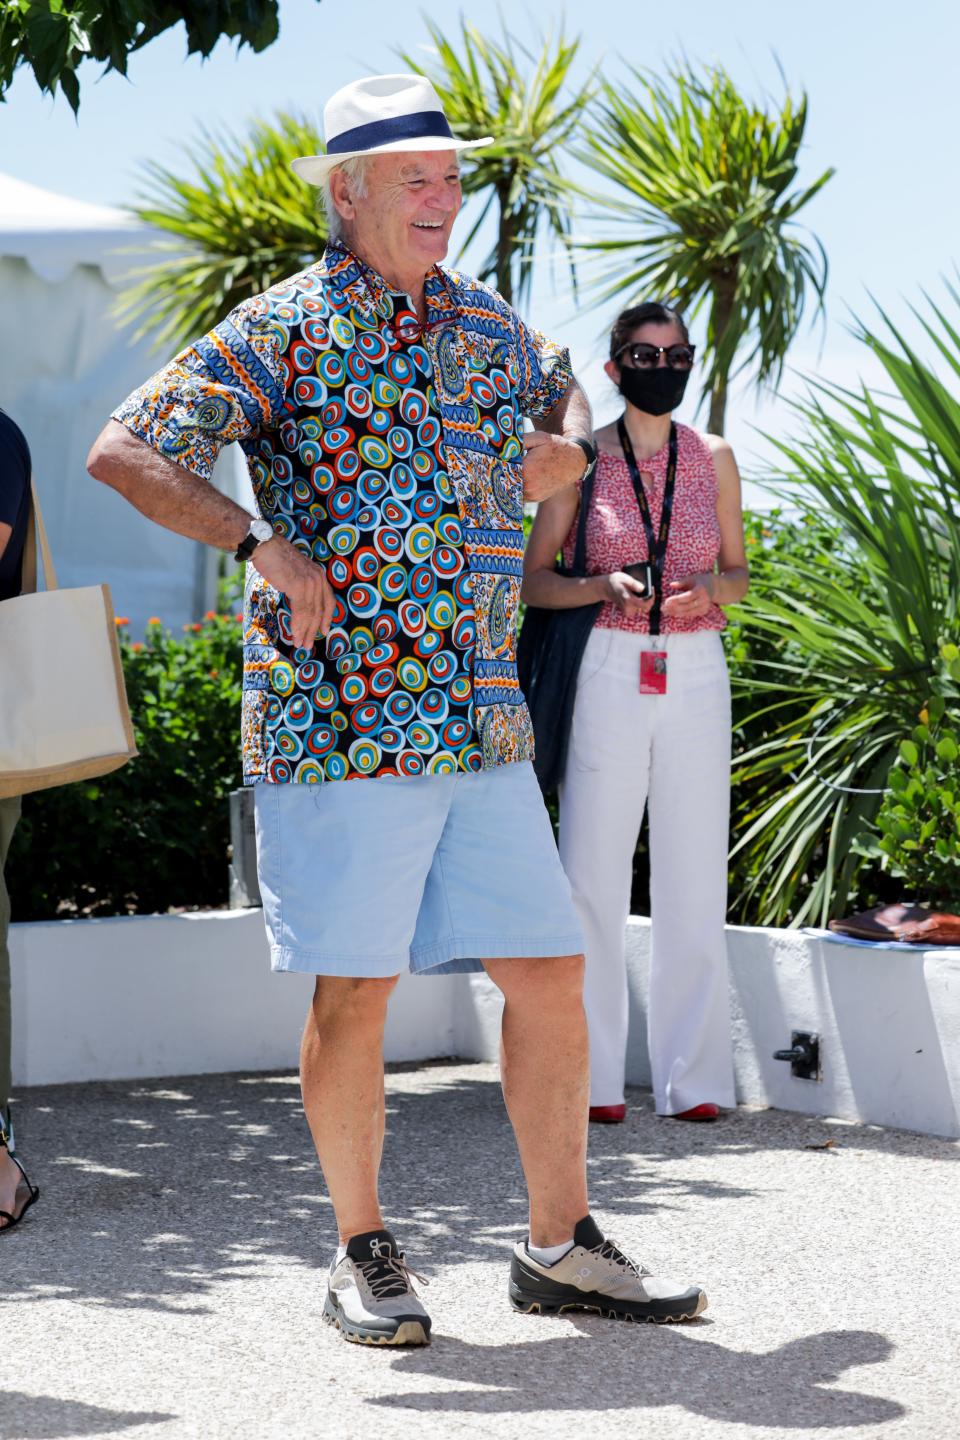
(169, 995)
(888, 1021)
(194, 994)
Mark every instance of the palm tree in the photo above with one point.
(486, 91)
(707, 197)
(240, 224)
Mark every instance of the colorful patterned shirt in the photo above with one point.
(389, 452)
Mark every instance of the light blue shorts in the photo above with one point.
(432, 874)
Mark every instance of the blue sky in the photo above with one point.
(884, 110)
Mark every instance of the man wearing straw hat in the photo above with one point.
(379, 399)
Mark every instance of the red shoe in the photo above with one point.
(698, 1112)
(608, 1114)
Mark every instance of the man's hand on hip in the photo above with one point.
(551, 463)
(305, 585)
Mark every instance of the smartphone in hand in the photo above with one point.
(642, 570)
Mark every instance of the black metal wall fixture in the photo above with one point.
(803, 1056)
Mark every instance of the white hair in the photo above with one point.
(356, 172)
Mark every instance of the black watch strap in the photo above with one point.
(590, 452)
(246, 548)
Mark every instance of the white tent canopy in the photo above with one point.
(54, 233)
(65, 363)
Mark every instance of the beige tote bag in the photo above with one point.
(63, 703)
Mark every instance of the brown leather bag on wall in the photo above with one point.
(914, 924)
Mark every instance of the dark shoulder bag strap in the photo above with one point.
(579, 566)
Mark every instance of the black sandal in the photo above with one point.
(33, 1191)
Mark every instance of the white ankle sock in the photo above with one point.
(341, 1254)
(549, 1254)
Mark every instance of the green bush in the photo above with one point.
(154, 835)
(809, 545)
(916, 835)
(852, 639)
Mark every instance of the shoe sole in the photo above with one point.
(408, 1332)
(528, 1305)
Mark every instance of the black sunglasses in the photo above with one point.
(645, 357)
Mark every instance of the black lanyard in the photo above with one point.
(656, 548)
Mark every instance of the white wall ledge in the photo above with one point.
(167, 995)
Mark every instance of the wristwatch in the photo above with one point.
(591, 454)
(260, 530)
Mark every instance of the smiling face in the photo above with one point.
(399, 222)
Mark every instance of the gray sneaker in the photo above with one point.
(370, 1299)
(596, 1276)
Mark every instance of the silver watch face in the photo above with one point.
(261, 530)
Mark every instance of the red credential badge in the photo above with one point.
(653, 672)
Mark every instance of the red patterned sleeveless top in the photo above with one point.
(615, 535)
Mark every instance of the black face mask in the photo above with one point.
(655, 392)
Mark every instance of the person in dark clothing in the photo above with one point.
(14, 504)
(16, 1192)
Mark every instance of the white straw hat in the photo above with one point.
(378, 115)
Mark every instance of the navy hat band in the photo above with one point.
(381, 132)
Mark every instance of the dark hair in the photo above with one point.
(650, 312)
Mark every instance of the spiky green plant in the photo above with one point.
(857, 638)
(241, 222)
(704, 214)
(501, 88)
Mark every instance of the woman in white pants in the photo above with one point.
(651, 722)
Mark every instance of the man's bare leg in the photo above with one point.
(341, 1075)
(546, 1085)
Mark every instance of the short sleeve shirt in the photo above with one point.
(14, 503)
(389, 452)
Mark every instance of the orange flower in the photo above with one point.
(210, 615)
(121, 619)
(137, 645)
(196, 627)
(154, 620)
(239, 617)
(214, 674)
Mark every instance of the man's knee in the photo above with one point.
(542, 980)
(351, 1000)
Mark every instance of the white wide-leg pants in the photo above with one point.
(673, 752)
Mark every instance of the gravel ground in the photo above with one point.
(169, 1283)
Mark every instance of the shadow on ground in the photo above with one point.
(41, 1417)
(194, 1182)
(157, 1195)
(780, 1390)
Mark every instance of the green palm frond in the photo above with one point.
(242, 222)
(705, 205)
(500, 88)
(852, 637)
